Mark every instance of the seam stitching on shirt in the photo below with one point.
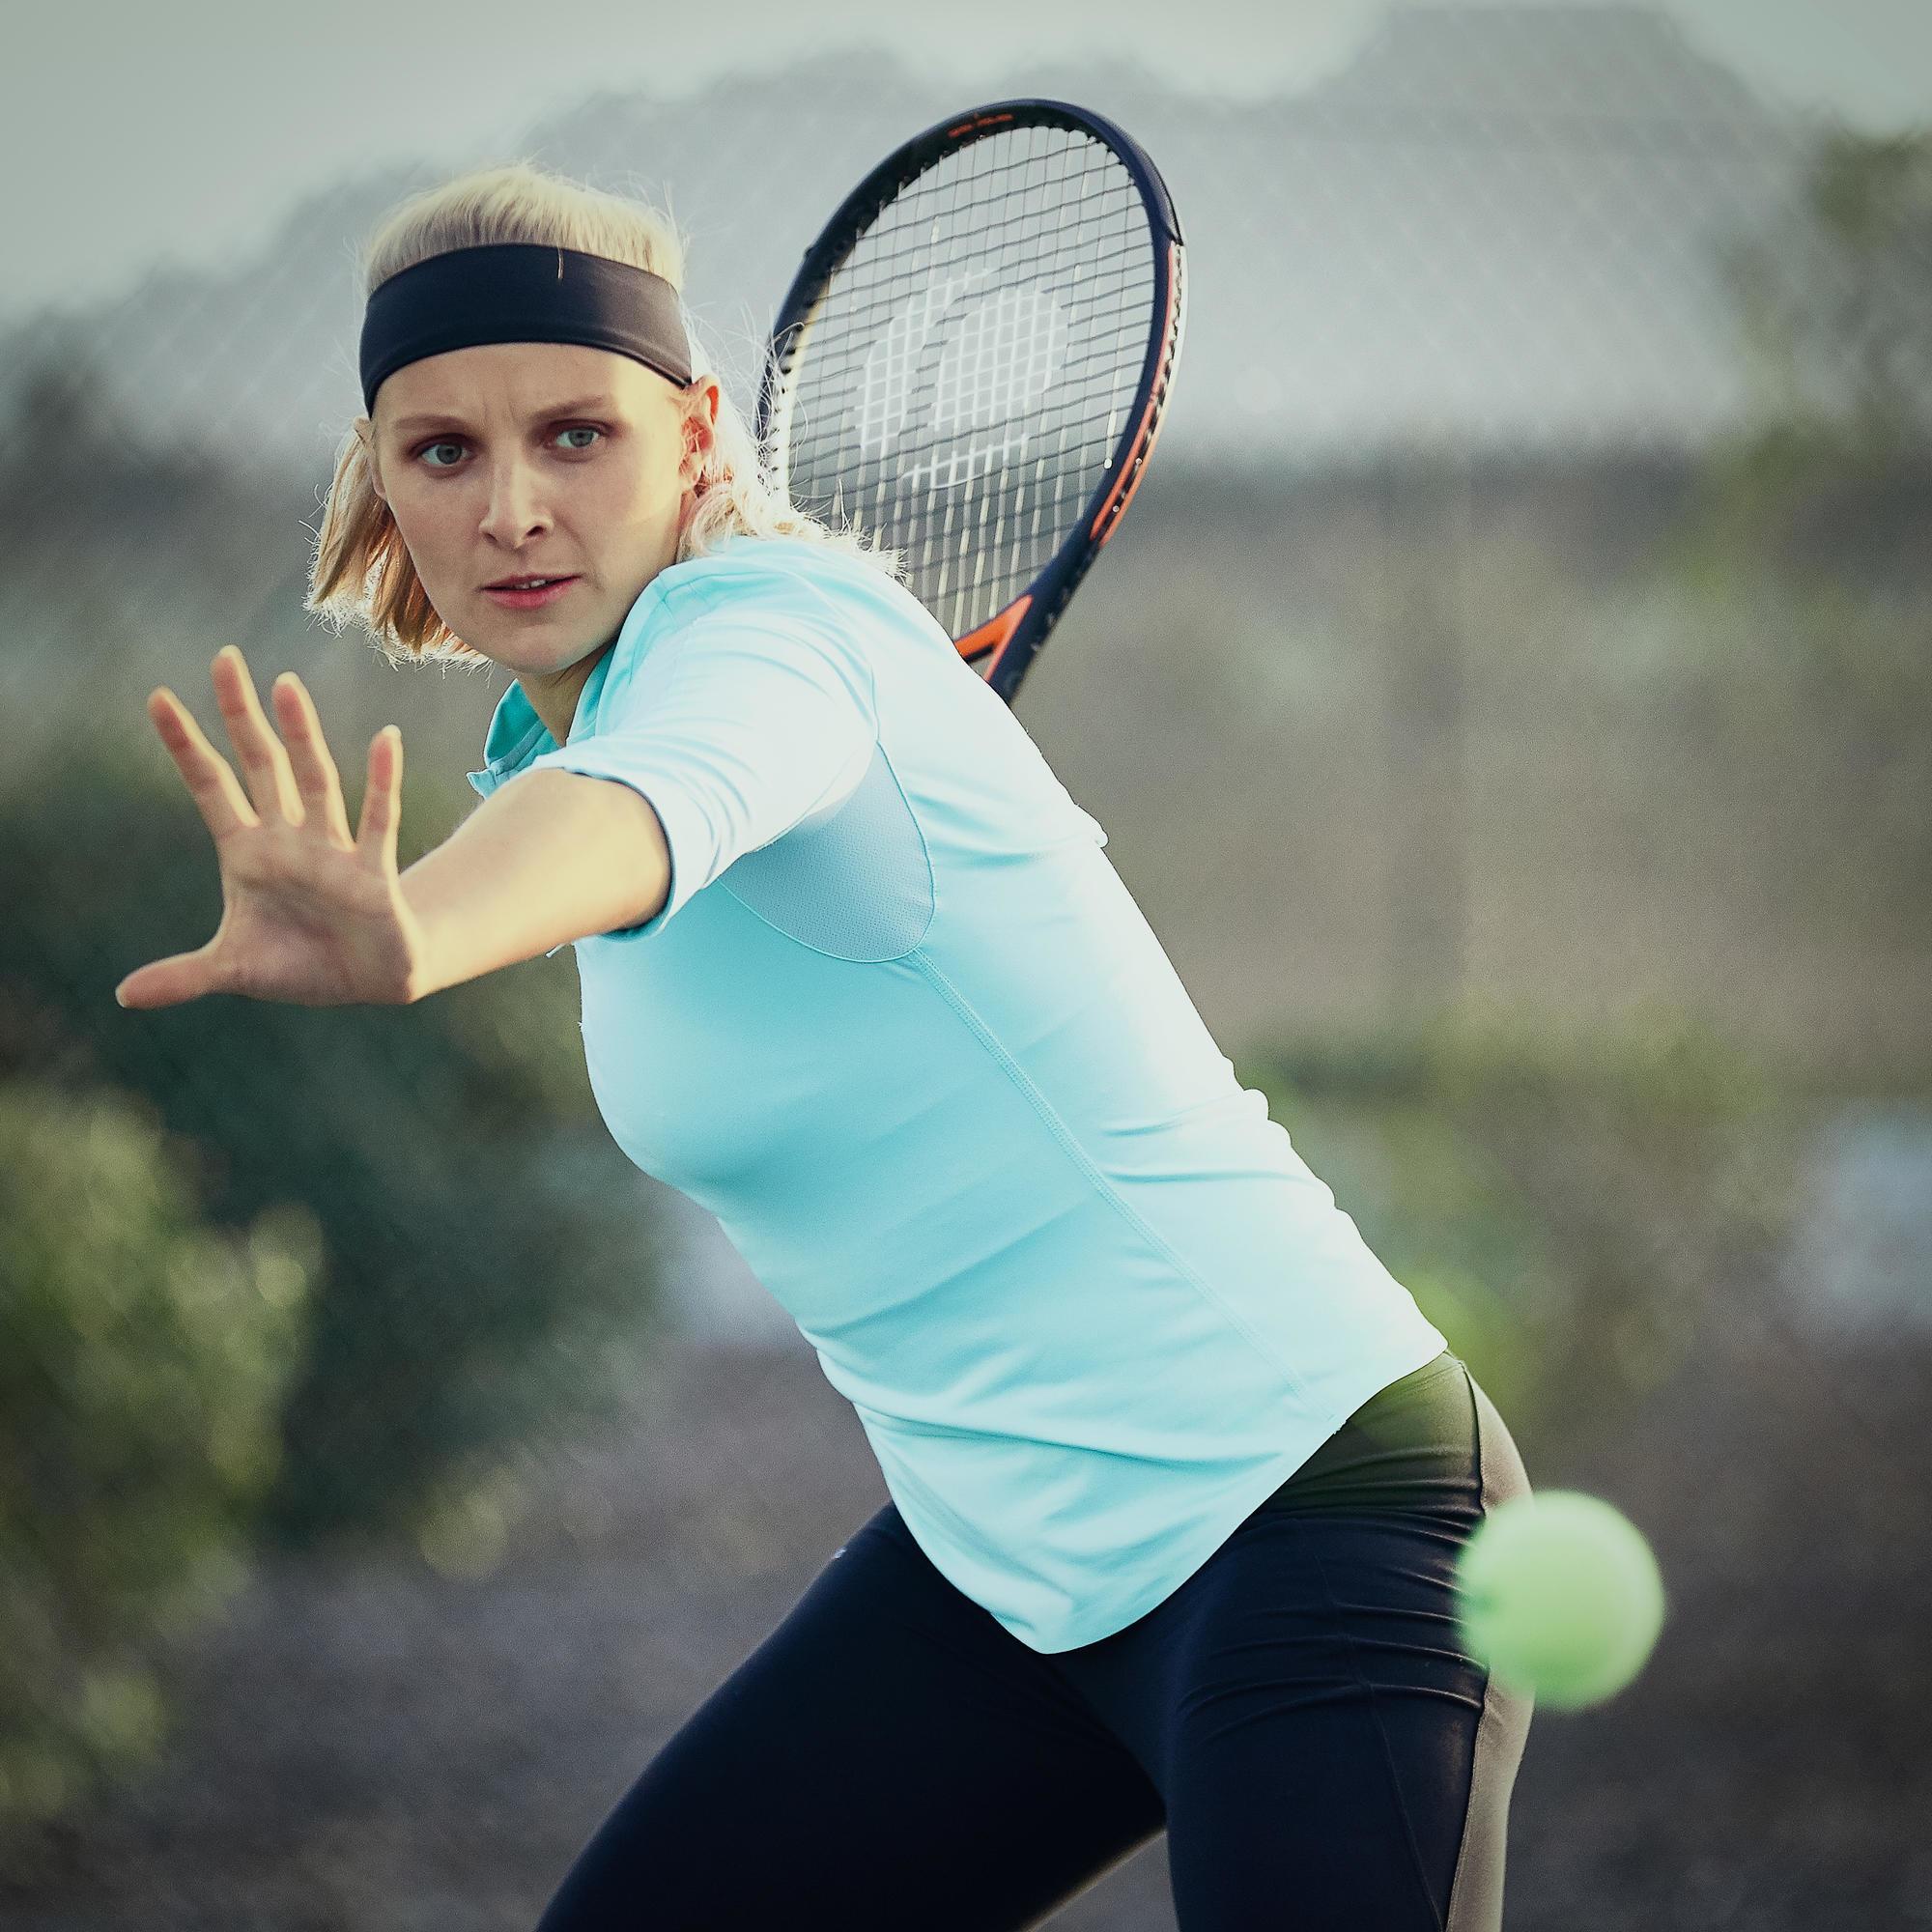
(680, 669)
(802, 581)
(892, 771)
(773, 623)
(924, 853)
(848, 958)
(806, 583)
(1058, 1129)
(878, 741)
(496, 767)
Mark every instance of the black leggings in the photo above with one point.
(1300, 1716)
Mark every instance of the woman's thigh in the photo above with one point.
(1331, 1754)
(889, 1757)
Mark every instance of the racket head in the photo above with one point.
(974, 360)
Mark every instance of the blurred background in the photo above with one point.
(1510, 701)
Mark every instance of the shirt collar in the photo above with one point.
(517, 734)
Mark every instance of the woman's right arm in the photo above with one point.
(551, 857)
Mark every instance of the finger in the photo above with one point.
(167, 983)
(320, 782)
(382, 799)
(264, 763)
(215, 789)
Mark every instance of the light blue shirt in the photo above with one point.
(903, 1029)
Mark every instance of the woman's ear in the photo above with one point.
(366, 433)
(701, 429)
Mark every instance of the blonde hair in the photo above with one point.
(361, 571)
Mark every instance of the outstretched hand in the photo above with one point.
(310, 914)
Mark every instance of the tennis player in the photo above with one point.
(1179, 1473)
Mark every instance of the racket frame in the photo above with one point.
(1002, 648)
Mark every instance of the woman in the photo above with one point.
(1179, 1472)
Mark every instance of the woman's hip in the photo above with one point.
(1431, 1443)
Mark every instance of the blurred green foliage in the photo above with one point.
(1806, 542)
(1569, 1211)
(144, 1361)
(1833, 302)
(465, 1302)
(387, 1252)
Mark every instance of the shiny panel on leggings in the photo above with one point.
(1329, 1753)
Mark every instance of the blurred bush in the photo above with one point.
(144, 1359)
(1568, 1209)
(1803, 545)
(465, 1303)
(473, 1272)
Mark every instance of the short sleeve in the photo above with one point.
(735, 728)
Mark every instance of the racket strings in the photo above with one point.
(963, 385)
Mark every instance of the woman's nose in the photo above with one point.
(514, 504)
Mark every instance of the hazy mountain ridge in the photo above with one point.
(1498, 227)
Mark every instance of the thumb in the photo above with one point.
(166, 982)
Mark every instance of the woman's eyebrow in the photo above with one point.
(404, 424)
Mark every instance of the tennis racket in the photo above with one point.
(974, 359)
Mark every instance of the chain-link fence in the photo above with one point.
(1510, 700)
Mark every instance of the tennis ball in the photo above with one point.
(1560, 1596)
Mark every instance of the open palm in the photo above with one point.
(310, 915)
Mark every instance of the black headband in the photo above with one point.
(520, 291)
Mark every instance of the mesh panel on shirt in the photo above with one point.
(857, 885)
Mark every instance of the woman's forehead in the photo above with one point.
(516, 378)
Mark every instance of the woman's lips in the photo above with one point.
(529, 600)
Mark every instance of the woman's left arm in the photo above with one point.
(551, 857)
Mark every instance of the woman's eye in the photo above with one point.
(576, 429)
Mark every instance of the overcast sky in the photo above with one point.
(136, 133)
